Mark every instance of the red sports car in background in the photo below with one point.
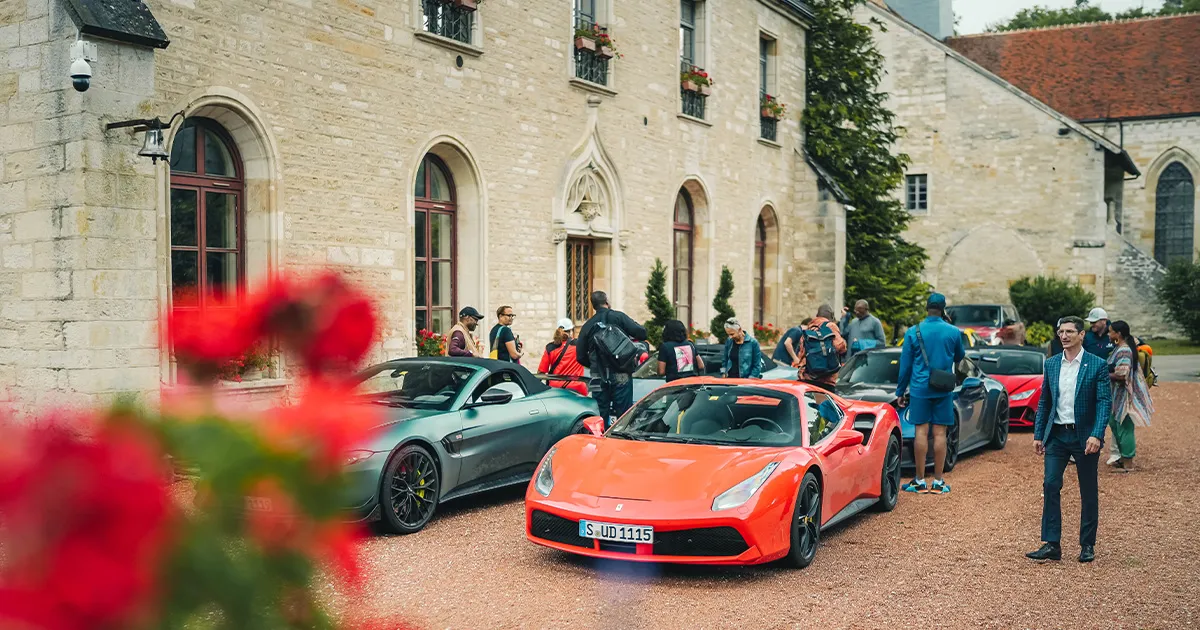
(1019, 368)
(717, 471)
(994, 323)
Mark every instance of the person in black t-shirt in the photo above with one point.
(677, 357)
(502, 340)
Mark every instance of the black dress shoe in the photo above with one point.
(1049, 551)
(1087, 553)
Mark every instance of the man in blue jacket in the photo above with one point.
(1071, 418)
(931, 345)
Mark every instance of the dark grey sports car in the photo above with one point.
(455, 427)
(980, 403)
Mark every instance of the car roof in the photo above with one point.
(1009, 348)
(531, 383)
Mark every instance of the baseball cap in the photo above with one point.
(566, 324)
(469, 311)
(936, 300)
(1096, 315)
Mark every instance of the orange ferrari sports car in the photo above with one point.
(717, 471)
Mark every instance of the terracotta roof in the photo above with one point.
(1145, 68)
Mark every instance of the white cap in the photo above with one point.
(566, 324)
(1096, 315)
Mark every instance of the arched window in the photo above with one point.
(684, 236)
(207, 218)
(760, 271)
(435, 244)
(1174, 215)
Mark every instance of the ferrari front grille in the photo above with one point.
(557, 529)
(708, 541)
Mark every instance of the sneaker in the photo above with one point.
(916, 485)
(1113, 459)
(940, 487)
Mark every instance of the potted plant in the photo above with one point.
(251, 365)
(771, 107)
(766, 334)
(696, 80)
(430, 344)
(466, 5)
(607, 49)
(585, 38)
(695, 334)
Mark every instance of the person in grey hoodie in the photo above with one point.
(863, 331)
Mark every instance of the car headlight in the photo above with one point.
(544, 481)
(355, 457)
(742, 492)
(1023, 395)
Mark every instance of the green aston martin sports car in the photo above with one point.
(455, 427)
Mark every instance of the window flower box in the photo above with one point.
(690, 86)
(706, 90)
(585, 43)
(695, 79)
(595, 38)
(771, 107)
(606, 52)
(466, 5)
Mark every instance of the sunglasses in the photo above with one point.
(508, 315)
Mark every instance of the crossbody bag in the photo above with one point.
(939, 380)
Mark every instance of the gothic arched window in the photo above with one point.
(1174, 215)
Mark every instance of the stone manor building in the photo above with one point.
(444, 153)
(1019, 163)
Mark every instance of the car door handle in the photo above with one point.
(534, 412)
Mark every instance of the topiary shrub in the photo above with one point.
(1047, 299)
(721, 305)
(1179, 292)
(657, 302)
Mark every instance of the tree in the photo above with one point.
(1175, 7)
(1041, 17)
(851, 133)
(1179, 291)
(721, 305)
(1046, 299)
(661, 309)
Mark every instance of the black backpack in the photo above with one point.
(614, 348)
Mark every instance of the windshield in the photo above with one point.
(974, 315)
(713, 414)
(877, 368)
(1018, 363)
(416, 384)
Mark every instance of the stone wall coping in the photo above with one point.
(592, 87)
(264, 384)
(446, 42)
(693, 119)
(769, 143)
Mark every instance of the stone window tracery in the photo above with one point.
(1174, 215)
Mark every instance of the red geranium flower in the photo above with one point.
(87, 521)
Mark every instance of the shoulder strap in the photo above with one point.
(562, 353)
(921, 343)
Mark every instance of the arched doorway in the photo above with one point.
(435, 245)
(207, 216)
(766, 273)
(684, 256)
(1174, 215)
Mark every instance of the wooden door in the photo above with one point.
(580, 254)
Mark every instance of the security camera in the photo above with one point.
(81, 71)
(81, 75)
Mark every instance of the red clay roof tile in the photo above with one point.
(1107, 70)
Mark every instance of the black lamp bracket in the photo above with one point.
(142, 124)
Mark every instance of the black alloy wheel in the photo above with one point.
(579, 429)
(951, 447)
(1000, 434)
(409, 491)
(806, 523)
(889, 488)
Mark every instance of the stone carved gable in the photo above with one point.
(587, 197)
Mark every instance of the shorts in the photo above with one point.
(936, 410)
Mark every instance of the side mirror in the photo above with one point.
(847, 438)
(971, 382)
(493, 396)
(594, 425)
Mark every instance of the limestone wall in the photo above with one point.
(332, 105)
(1009, 194)
(1130, 290)
(1154, 145)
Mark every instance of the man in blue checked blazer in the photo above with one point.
(1071, 418)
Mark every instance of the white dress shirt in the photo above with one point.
(1068, 378)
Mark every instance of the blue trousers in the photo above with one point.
(1062, 444)
(613, 398)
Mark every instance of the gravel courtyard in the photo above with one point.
(952, 561)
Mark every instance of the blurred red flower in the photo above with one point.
(205, 340)
(87, 520)
(326, 421)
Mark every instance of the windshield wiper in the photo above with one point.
(627, 435)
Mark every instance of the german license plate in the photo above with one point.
(616, 532)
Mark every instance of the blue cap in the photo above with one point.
(936, 300)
